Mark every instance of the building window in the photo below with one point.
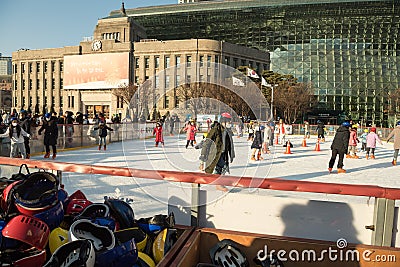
(45, 84)
(208, 61)
(30, 84)
(201, 78)
(136, 62)
(243, 62)
(201, 61)
(208, 78)
(188, 79)
(216, 59)
(61, 101)
(15, 101)
(37, 66)
(15, 68)
(53, 101)
(61, 83)
(157, 81)
(23, 84)
(227, 61)
(120, 102)
(166, 101)
(176, 101)
(235, 63)
(147, 62)
(177, 80)
(30, 67)
(23, 67)
(15, 85)
(53, 83)
(137, 80)
(37, 100)
(71, 100)
(178, 60)
(53, 66)
(45, 67)
(157, 62)
(167, 81)
(23, 101)
(167, 62)
(37, 84)
(188, 61)
(30, 102)
(61, 66)
(45, 101)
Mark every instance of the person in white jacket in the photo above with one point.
(16, 135)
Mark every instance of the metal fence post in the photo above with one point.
(194, 210)
(382, 229)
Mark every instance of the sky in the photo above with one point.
(40, 24)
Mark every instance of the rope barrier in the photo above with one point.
(203, 178)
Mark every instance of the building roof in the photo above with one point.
(222, 5)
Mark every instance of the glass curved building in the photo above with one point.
(348, 49)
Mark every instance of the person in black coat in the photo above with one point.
(339, 146)
(321, 130)
(26, 122)
(103, 128)
(257, 143)
(50, 134)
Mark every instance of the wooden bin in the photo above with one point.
(184, 233)
(196, 250)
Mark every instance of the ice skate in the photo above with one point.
(340, 170)
(47, 155)
(348, 156)
(253, 158)
(373, 157)
(394, 163)
(259, 156)
(105, 147)
(100, 147)
(54, 156)
(366, 156)
(329, 170)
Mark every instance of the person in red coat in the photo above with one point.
(158, 132)
(191, 130)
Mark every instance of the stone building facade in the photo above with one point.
(81, 78)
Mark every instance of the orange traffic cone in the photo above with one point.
(288, 148)
(276, 139)
(317, 147)
(304, 144)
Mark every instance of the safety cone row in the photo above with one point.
(317, 146)
(304, 144)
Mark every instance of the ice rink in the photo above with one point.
(151, 196)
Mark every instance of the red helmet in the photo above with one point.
(76, 206)
(373, 129)
(28, 230)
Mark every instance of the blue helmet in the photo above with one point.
(47, 115)
(346, 124)
(398, 123)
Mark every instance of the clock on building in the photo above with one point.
(96, 45)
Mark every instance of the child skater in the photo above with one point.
(158, 132)
(363, 138)
(103, 134)
(257, 144)
(191, 130)
(372, 137)
(16, 134)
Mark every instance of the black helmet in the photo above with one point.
(227, 253)
(122, 212)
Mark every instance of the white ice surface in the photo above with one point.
(150, 196)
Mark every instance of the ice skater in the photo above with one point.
(353, 140)
(50, 129)
(320, 130)
(363, 138)
(191, 130)
(158, 132)
(339, 147)
(372, 138)
(103, 132)
(396, 134)
(16, 135)
(267, 139)
(257, 143)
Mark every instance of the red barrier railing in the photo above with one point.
(202, 178)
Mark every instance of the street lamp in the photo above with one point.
(272, 98)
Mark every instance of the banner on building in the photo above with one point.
(96, 71)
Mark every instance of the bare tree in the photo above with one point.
(125, 92)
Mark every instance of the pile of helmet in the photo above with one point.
(40, 225)
(227, 253)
